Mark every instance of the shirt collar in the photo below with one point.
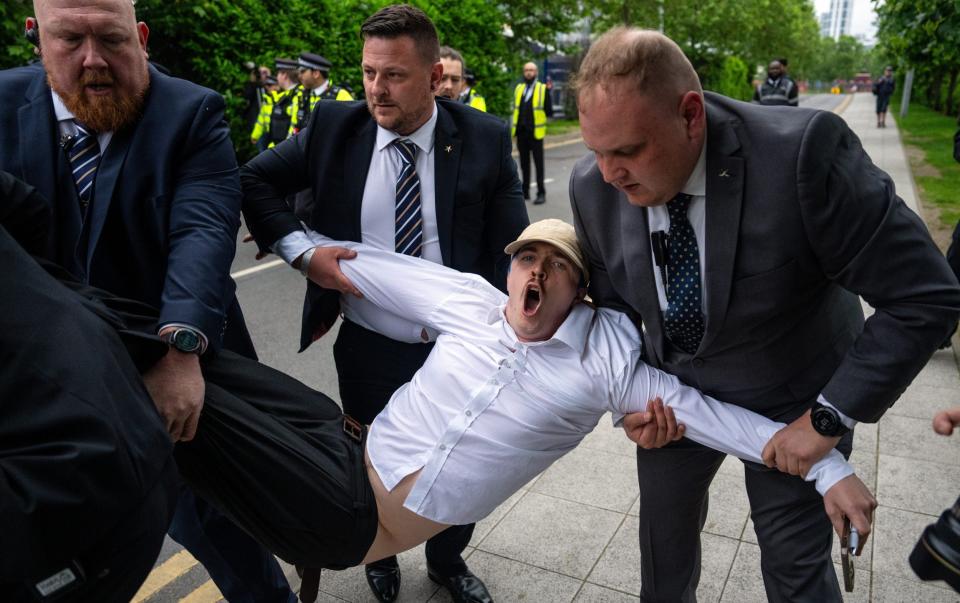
(60, 109)
(422, 136)
(697, 182)
(321, 88)
(573, 331)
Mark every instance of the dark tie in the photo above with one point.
(84, 157)
(684, 315)
(409, 221)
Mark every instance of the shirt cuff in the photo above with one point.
(183, 325)
(847, 421)
(828, 471)
(292, 246)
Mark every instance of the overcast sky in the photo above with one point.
(863, 16)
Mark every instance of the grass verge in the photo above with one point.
(929, 136)
(562, 126)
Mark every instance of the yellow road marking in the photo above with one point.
(171, 569)
(207, 593)
(843, 104)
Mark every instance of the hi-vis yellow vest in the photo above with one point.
(539, 115)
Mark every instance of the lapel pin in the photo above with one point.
(724, 174)
(448, 148)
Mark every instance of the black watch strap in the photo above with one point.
(826, 421)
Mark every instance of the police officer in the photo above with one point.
(314, 71)
(276, 117)
(469, 96)
(531, 107)
(262, 124)
(778, 88)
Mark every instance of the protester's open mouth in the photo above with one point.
(531, 300)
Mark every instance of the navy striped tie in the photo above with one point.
(84, 157)
(409, 221)
(684, 315)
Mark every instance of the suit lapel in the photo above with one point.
(39, 160)
(724, 203)
(638, 263)
(358, 151)
(111, 165)
(446, 166)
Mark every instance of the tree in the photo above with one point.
(924, 35)
(14, 49)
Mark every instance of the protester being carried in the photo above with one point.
(512, 385)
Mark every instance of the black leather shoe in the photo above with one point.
(464, 588)
(384, 582)
(540, 200)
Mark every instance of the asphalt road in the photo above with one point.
(271, 295)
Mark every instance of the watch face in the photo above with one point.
(186, 340)
(824, 421)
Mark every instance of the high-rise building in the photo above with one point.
(839, 17)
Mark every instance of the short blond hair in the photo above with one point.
(646, 58)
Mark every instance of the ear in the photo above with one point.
(436, 74)
(143, 33)
(693, 113)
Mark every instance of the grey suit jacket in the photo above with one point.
(799, 222)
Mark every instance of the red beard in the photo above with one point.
(102, 113)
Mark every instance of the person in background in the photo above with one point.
(883, 89)
(531, 108)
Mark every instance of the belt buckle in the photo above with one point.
(353, 428)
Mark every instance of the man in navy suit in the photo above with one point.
(143, 182)
(404, 172)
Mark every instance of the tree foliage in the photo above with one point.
(711, 31)
(924, 35)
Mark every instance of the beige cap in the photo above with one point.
(557, 233)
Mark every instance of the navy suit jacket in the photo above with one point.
(162, 225)
(478, 202)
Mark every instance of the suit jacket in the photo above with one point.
(162, 225)
(479, 205)
(798, 222)
(81, 443)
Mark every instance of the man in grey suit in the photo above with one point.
(741, 236)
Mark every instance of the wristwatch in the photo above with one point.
(826, 421)
(184, 339)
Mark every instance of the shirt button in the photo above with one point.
(469, 414)
(443, 447)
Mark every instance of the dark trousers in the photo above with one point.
(240, 567)
(527, 144)
(273, 455)
(370, 367)
(793, 530)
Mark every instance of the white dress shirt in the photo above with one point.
(486, 413)
(658, 219)
(377, 225)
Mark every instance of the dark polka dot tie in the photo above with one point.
(684, 315)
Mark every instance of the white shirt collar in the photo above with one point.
(697, 182)
(422, 136)
(321, 88)
(572, 332)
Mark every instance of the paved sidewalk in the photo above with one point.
(571, 534)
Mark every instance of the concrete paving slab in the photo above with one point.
(912, 438)
(896, 532)
(592, 477)
(554, 534)
(591, 593)
(512, 580)
(914, 485)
